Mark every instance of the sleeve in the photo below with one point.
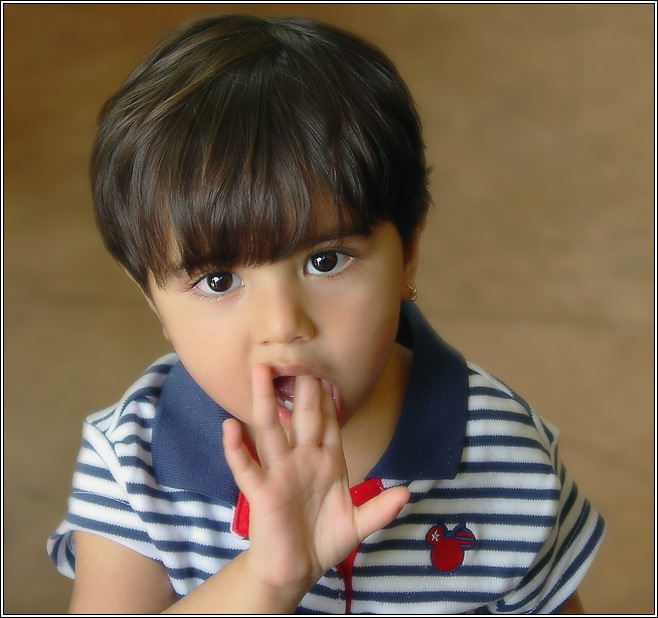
(99, 503)
(566, 554)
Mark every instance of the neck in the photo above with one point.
(377, 418)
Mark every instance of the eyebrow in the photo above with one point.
(332, 235)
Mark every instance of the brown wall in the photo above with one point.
(537, 262)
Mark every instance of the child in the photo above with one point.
(312, 445)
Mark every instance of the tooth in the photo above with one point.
(288, 405)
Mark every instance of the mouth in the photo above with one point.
(284, 389)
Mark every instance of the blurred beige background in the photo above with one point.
(538, 260)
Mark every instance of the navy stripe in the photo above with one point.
(329, 593)
(199, 549)
(175, 496)
(425, 596)
(481, 467)
(145, 393)
(494, 545)
(103, 501)
(104, 418)
(490, 391)
(571, 499)
(515, 441)
(132, 461)
(576, 529)
(487, 493)
(161, 368)
(302, 611)
(548, 432)
(429, 571)
(131, 417)
(57, 542)
(120, 531)
(165, 519)
(504, 519)
(70, 556)
(190, 572)
(134, 439)
(94, 471)
(516, 546)
(514, 397)
(485, 414)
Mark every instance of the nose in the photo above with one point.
(281, 315)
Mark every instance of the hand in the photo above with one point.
(302, 520)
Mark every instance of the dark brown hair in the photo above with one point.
(224, 144)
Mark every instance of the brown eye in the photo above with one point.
(219, 283)
(324, 262)
(327, 262)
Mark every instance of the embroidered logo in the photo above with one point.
(449, 546)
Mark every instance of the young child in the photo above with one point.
(312, 446)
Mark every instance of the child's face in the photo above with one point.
(331, 312)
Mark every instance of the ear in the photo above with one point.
(150, 303)
(411, 257)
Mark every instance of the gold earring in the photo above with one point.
(414, 293)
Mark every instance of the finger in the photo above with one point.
(247, 473)
(306, 426)
(269, 436)
(380, 511)
(331, 435)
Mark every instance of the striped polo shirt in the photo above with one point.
(495, 524)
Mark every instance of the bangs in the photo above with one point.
(251, 224)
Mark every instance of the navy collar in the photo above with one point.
(427, 444)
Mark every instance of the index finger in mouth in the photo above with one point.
(270, 437)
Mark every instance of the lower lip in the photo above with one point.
(285, 416)
(336, 397)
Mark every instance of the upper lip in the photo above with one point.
(279, 371)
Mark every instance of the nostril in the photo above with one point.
(281, 319)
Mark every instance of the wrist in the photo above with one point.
(274, 589)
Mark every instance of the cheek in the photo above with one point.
(365, 340)
(215, 359)
(372, 310)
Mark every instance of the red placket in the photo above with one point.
(360, 494)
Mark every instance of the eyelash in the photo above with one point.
(349, 254)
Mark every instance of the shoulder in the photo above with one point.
(117, 441)
(508, 479)
(137, 406)
(494, 409)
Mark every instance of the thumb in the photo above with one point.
(380, 510)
